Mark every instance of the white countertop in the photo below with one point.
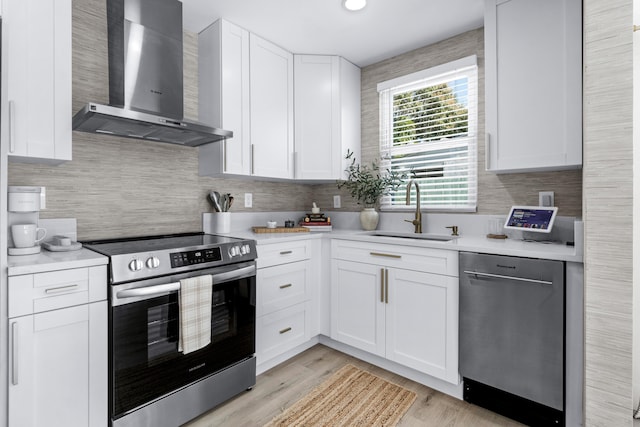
(510, 247)
(51, 261)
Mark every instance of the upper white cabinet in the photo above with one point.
(224, 101)
(38, 71)
(327, 115)
(245, 86)
(533, 85)
(271, 75)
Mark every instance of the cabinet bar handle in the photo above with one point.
(14, 352)
(224, 157)
(382, 285)
(12, 139)
(386, 286)
(288, 285)
(253, 169)
(385, 255)
(285, 330)
(60, 289)
(487, 151)
(500, 276)
(286, 252)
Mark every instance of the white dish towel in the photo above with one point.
(195, 313)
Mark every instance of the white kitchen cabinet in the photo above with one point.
(245, 86)
(38, 72)
(271, 75)
(399, 303)
(533, 70)
(58, 351)
(223, 94)
(286, 298)
(327, 115)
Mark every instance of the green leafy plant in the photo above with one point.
(367, 183)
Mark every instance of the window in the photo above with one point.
(428, 130)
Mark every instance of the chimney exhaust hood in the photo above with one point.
(145, 78)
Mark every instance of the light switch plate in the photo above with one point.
(248, 200)
(546, 198)
(336, 202)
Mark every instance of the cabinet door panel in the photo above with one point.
(357, 309)
(533, 85)
(271, 74)
(53, 369)
(422, 323)
(282, 286)
(38, 71)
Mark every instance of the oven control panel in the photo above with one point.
(182, 259)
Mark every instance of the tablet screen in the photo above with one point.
(531, 218)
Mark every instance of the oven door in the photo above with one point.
(145, 363)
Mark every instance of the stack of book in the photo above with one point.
(316, 222)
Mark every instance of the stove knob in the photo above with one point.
(247, 249)
(234, 251)
(243, 249)
(135, 265)
(153, 262)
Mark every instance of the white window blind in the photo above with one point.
(428, 130)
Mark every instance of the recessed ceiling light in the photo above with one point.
(354, 4)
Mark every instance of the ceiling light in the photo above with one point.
(354, 4)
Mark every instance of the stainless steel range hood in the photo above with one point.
(145, 78)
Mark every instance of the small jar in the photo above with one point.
(289, 223)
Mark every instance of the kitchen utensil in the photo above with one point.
(214, 197)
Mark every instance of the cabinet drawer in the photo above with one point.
(281, 331)
(428, 260)
(282, 286)
(281, 253)
(35, 293)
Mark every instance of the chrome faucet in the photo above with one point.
(417, 222)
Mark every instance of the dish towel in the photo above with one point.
(195, 313)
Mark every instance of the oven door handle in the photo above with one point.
(149, 290)
(238, 273)
(227, 276)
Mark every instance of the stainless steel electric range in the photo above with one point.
(151, 383)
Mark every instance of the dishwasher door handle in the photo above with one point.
(500, 276)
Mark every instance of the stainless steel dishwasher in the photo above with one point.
(512, 336)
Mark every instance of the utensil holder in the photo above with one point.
(222, 222)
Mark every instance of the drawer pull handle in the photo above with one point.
(286, 252)
(382, 285)
(385, 255)
(60, 289)
(285, 330)
(288, 285)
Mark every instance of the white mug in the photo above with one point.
(25, 235)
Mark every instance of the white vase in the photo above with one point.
(369, 218)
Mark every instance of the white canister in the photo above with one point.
(221, 222)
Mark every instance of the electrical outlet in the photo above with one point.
(545, 198)
(248, 200)
(336, 202)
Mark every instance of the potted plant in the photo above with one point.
(367, 184)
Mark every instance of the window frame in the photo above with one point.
(443, 73)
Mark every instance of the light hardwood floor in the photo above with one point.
(282, 386)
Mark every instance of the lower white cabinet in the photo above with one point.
(58, 358)
(285, 298)
(406, 316)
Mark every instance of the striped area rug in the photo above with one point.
(350, 397)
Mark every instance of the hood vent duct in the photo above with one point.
(145, 78)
